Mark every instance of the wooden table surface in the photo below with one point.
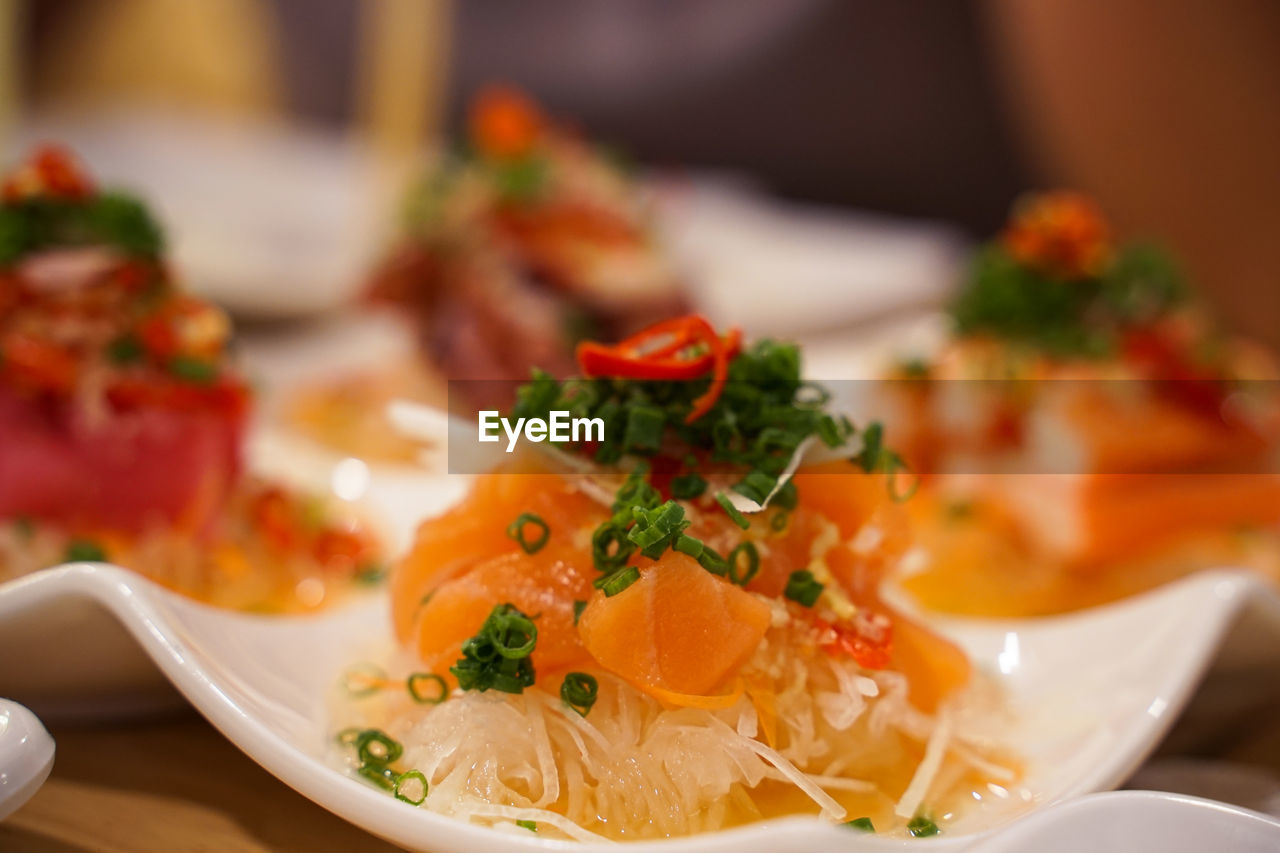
(173, 785)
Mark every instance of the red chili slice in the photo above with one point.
(667, 350)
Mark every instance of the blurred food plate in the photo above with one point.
(267, 220)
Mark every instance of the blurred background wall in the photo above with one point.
(1167, 110)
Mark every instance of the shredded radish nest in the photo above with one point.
(846, 738)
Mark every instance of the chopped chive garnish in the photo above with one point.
(374, 746)
(712, 562)
(531, 825)
(84, 551)
(732, 511)
(363, 679)
(497, 658)
(861, 823)
(619, 581)
(779, 521)
(644, 428)
(656, 529)
(922, 827)
(516, 530)
(688, 545)
(744, 563)
(610, 547)
(579, 690)
(380, 774)
(404, 785)
(688, 486)
(578, 607)
(193, 370)
(803, 588)
(424, 695)
(757, 486)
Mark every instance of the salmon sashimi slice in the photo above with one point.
(544, 585)
(476, 530)
(1089, 522)
(678, 628)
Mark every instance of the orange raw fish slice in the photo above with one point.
(678, 628)
(543, 585)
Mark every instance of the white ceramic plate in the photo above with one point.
(1092, 693)
(1139, 820)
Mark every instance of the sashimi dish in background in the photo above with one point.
(517, 244)
(1087, 432)
(677, 628)
(122, 419)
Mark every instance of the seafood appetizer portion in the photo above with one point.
(677, 626)
(525, 240)
(1089, 432)
(121, 418)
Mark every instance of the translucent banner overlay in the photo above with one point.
(1108, 427)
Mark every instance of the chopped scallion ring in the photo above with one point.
(739, 573)
(619, 581)
(363, 679)
(863, 824)
(374, 746)
(516, 530)
(578, 607)
(732, 511)
(531, 825)
(405, 784)
(85, 551)
(415, 684)
(922, 827)
(579, 691)
(803, 588)
(379, 774)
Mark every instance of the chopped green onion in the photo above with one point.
(786, 497)
(922, 827)
(779, 521)
(712, 562)
(84, 551)
(516, 530)
(193, 370)
(863, 824)
(688, 545)
(411, 776)
(610, 547)
(578, 607)
(757, 486)
(414, 686)
(738, 573)
(644, 428)
(497, 658)
(363, 679)
(579, 691)
(531, 825)
(803, 588)
(380, 774)
(619, 581)
(732, 511)
(374, 746)
(656, 529)
(349, 735)
(688, 486)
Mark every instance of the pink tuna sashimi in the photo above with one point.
(123, 471)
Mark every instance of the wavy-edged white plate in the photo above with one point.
(1091, 693)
